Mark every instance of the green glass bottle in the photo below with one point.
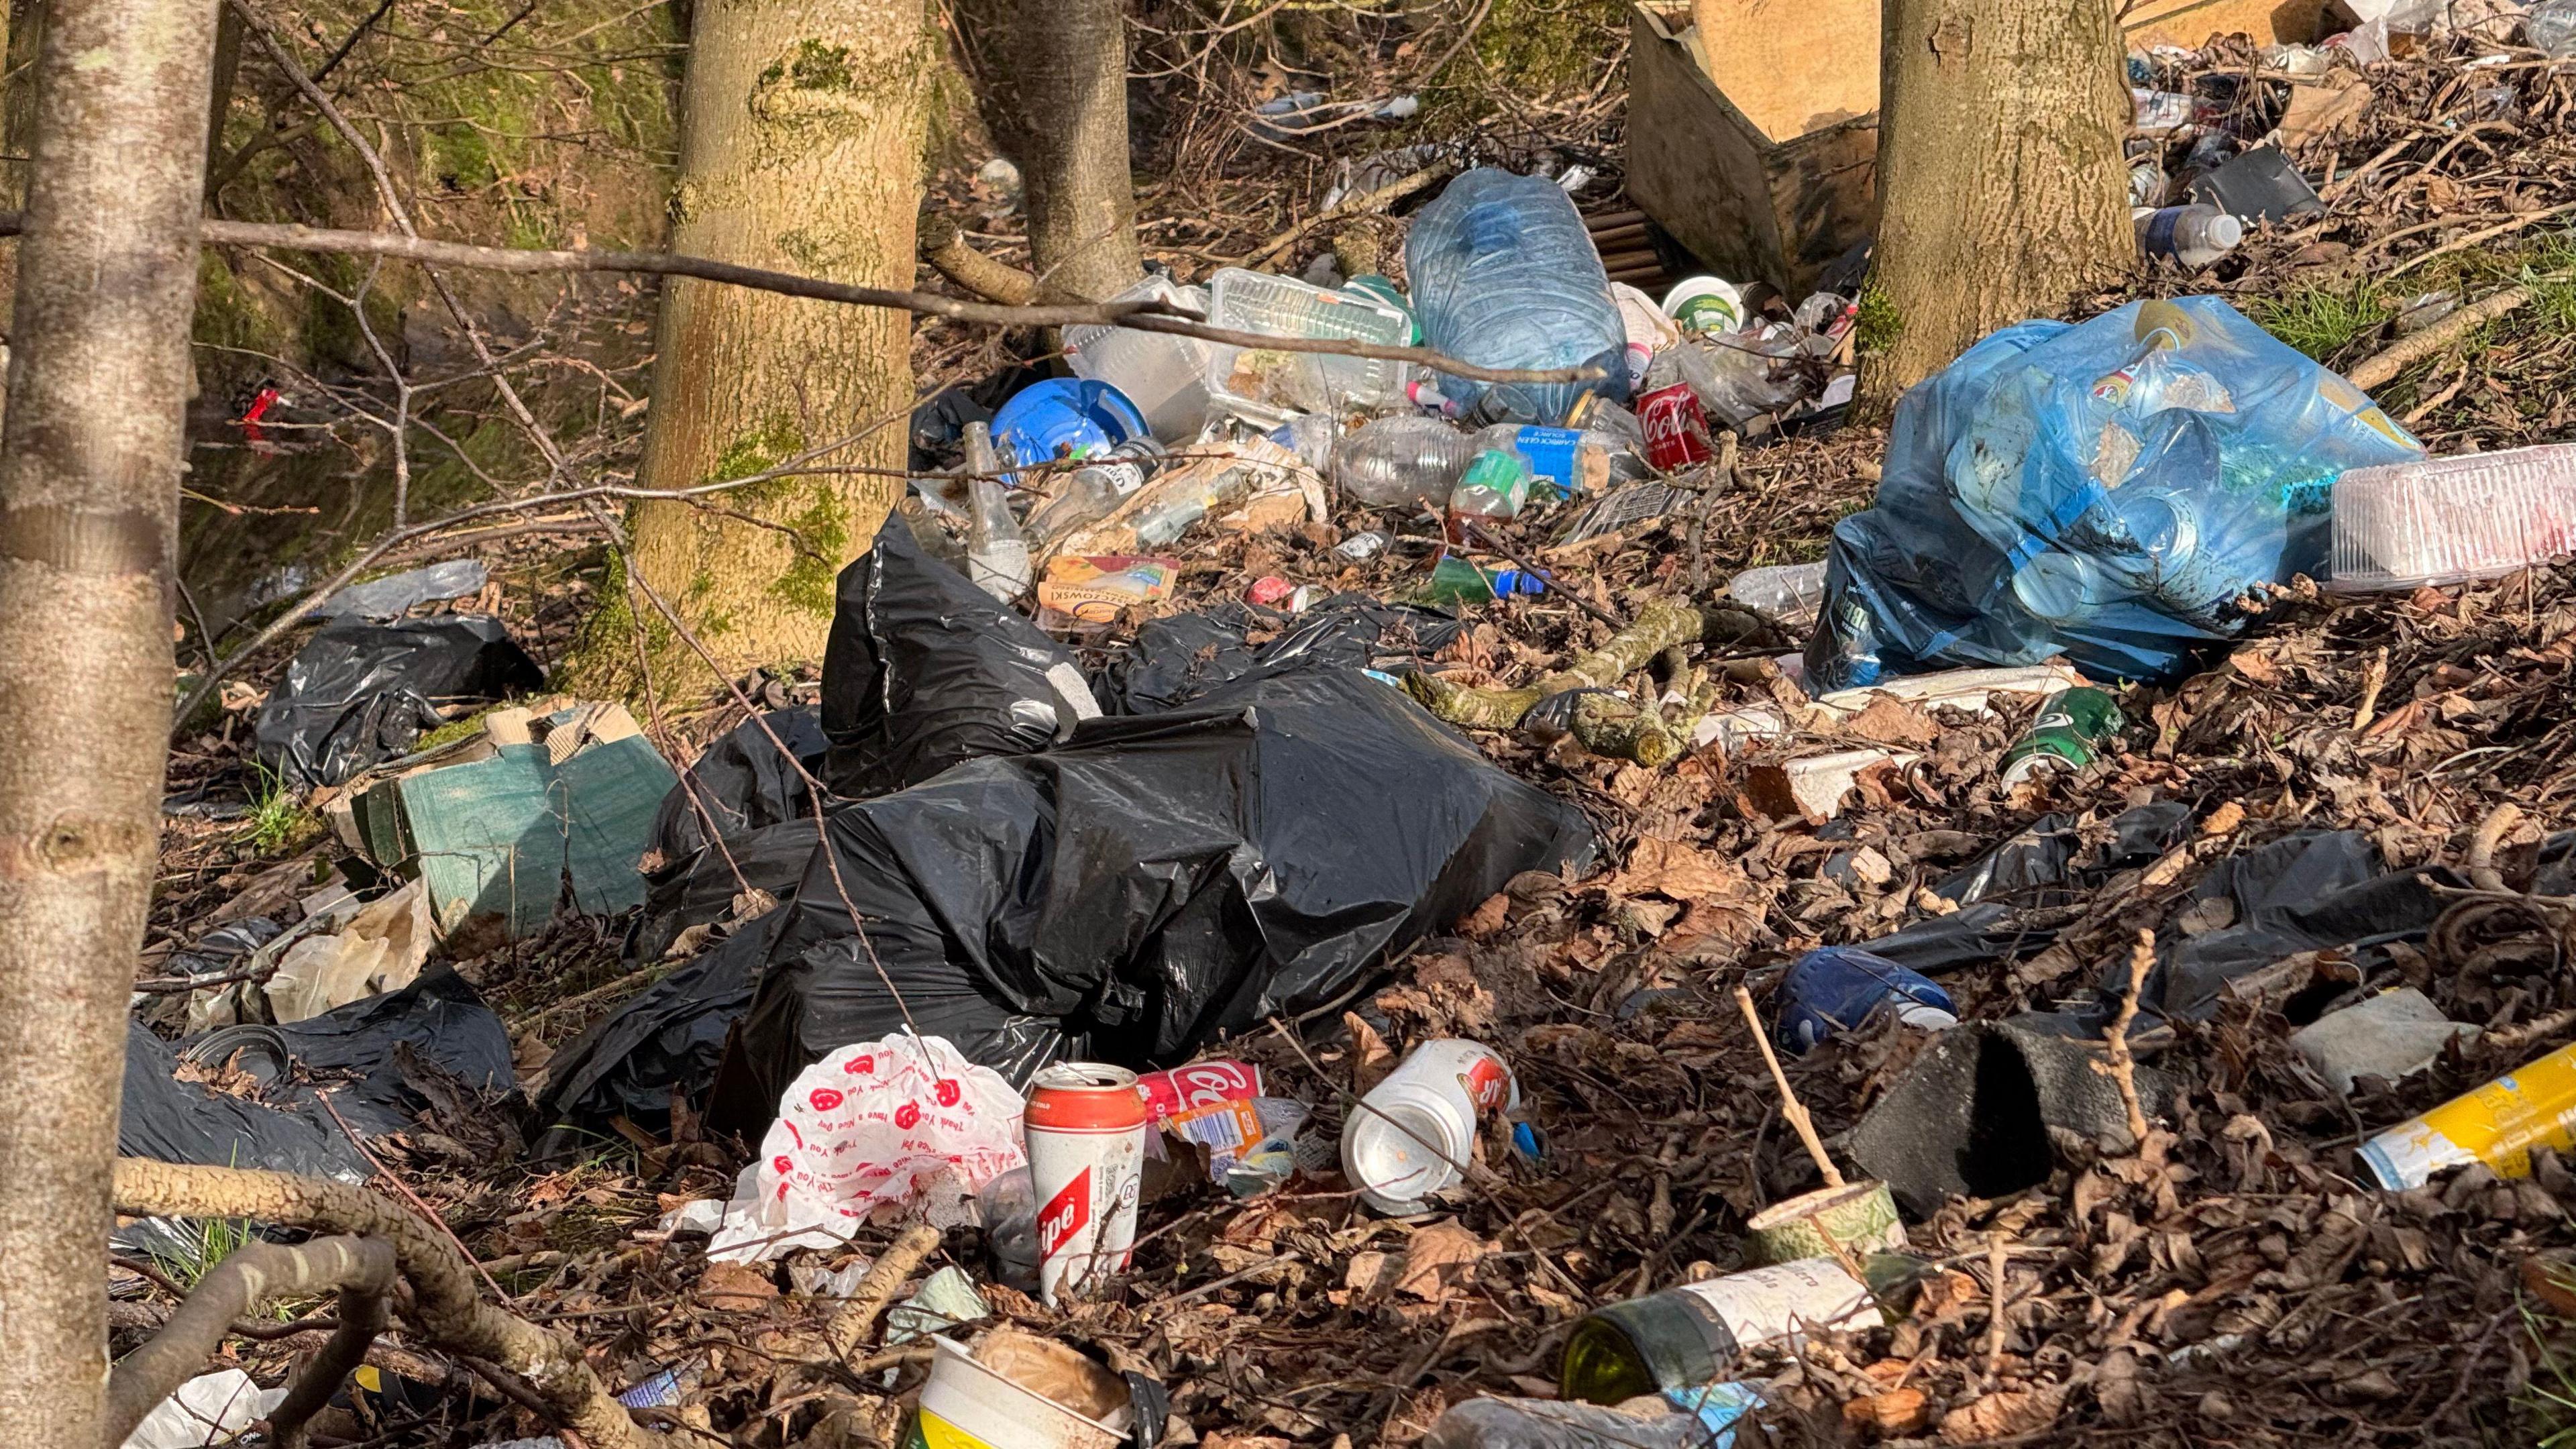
(1694, 1334)
(2064, 735)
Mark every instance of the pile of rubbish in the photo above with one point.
(1300, 879)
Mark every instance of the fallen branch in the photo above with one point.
(2381, 367)
(359, 1270)
(444, 1308)
(1140, 316)
(944, 247)
(2123, 1067)
(856, 1321)
(1360, 205)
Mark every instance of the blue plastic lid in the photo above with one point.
(1064, 417)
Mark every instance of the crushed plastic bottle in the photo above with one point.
(1743, 376)
(1505, 275)
(997, 553)
(1402, 462)
(1698, 1417)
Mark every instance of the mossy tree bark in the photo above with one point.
(800, 149)
(1067, 78)
(2001, 189)
(89, 510)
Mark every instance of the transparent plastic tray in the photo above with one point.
(1268, 386)
(2448, 520)
(1166, 377)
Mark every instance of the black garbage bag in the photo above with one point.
(1180, 657)
(699, 890)
(2006, 896)
(363, 1057)
(669, 1037)
(743, 782)
(923, 670)
(1155, 882)
(360, 693)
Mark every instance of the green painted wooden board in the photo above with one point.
(500, 837)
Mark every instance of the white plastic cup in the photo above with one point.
(1086, 1139)
(1404, 1140)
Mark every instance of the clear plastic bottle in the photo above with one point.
(997, 553)
(1739, 378)
(2195, 235)
(1641, 1423)
(1505, 275)
(1402, 461)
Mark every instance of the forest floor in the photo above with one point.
(2233, 1280)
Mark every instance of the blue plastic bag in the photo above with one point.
(2108, 491)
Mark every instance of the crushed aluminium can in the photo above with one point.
(2497, 1124)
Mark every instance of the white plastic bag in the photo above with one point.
(207, 1409)
(903, 1119)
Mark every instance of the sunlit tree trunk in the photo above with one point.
(2001, 189)
(1067, 79)
(800, 149)
(89, 474)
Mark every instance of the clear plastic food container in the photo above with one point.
(2447, 520)
(1165, 376)
(1266, 386)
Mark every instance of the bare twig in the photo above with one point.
(2491, 832)
(2382, 367)
(856, 1322)
(1789, 1106)
(2123, 1069)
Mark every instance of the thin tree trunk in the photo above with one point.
(89, 472)
(801, 136)
(2002, 194)
(1069, 82)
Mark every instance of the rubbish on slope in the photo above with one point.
(1698, 1333)
(1701, 1416)
(211, 1408)
(2498, 1124)
(1152, 882)
(2258, 185)
(1015, 1390)
(2449, 520)
(1705, 305)
(1216, 481)
(1180, 657)
(1409, 1137)
(901, 1120)
(997, 554)
(2108, 490)
(1405, 461)
(1504, 275)
(1973, 1115)
(923, 670)
(1787, 592)
(2063, 736)
(394, 595)
(1263, 385)
(1855, 1217)
(364, 1057)
(666, 1040)
(381, 949)
(1837, 988)
(2389, 1035)
(1676, 428)
(947, 1300)
(1086, 1128)
(1165, 376)
(360, 693)
(1200, 1084)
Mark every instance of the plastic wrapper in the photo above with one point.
(1155, 882)
(924, 670)
(357, 693)
(2109, 491)
(901, 1120)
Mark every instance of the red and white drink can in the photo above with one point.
(1086, 1140)
(1676, 430)
(1199, 1084)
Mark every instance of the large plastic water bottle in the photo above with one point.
(1505, 275)
(2194, 235)
(1402, 461)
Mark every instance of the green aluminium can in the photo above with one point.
(2070, 729)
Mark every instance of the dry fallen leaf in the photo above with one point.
(735, 1288)
(1887, 720)
(1440, 1260)
(1676, 871)
(2000, 1416)
(1896, 1412)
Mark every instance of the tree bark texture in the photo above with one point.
(1068, 79)
(800, 149)
(89, 473)
(2001, 188)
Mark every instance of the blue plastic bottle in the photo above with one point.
(1504, 275)
(1835, 988)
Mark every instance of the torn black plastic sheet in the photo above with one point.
(357, 694)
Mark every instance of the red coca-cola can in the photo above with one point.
(1676, 430)
(1197, 1085)
(1086, 1139)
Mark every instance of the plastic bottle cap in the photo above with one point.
(2224, 231)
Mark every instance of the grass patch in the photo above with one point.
(201, 1243)
(2321, 322)
(278, 819)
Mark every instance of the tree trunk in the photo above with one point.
(89, 473)
(1069, 94)
(800, 149)
(2001, 189)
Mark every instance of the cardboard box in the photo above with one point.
(1759, 153)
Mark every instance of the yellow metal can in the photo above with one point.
(2498, 1124)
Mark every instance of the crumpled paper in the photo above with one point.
(900, 1120)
